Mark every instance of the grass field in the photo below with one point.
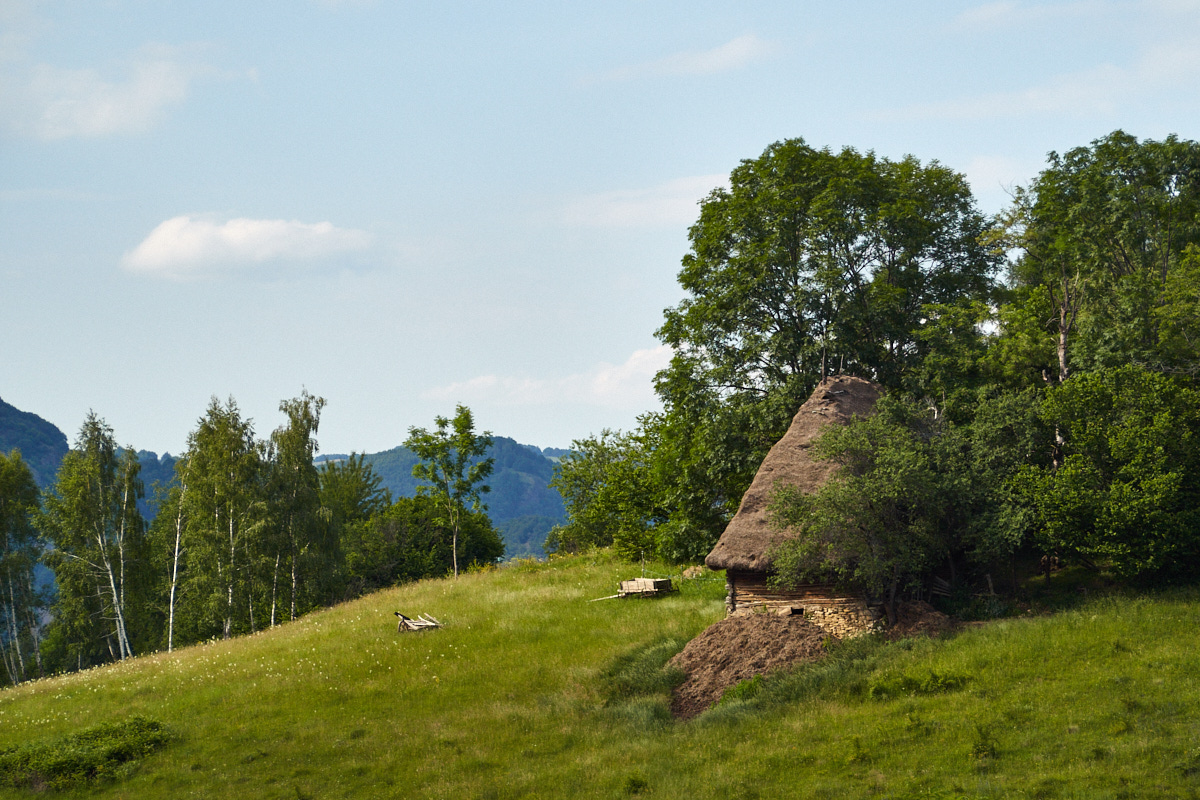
(510, 700)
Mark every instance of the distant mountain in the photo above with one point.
(521, 503)
(157, 472)
(42, 445)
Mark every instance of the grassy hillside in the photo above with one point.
(508, 700)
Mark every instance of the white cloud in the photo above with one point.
(191, 245)
(53, 103)
(628, 386)
(672, 203)
(734, 54)
(1099, 91)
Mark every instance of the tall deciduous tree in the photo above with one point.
(225, 516)
(294, 497)
(98, 556)
(1104, 234)
(812, 262)
(411, 540)
(453, 466)
(19, 602)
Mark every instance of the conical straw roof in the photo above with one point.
(749, 536)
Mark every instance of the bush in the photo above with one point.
(104, 751)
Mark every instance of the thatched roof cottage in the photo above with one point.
(743, 550)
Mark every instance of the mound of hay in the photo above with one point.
(738, 648)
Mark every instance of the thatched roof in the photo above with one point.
(749, 536)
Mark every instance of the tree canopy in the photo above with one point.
(453, 467)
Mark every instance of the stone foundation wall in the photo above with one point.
(840, 615)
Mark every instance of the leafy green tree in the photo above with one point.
(1104, 233)
(20, 604)
(351, 492)
(881, 523)
(412, 539)
(351, 495)
(453, 467)
(224, 517)
(98, 557)
(913, 492)
(294, 499)
(1128, 487)
(812, 262)
(605, 485)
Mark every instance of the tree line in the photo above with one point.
(1040, 370)
(248, 534)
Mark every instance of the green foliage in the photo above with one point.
(102, 752)
(914, 491)
(452, 467)
(813, 262)
(895, 508)
(411, 540)
(607, 489)
(1128, 487)
(99, 552)
(1104, 278)
(351, 491)
(20, 602)
(306, 548)
(223, 475)
(880, 523)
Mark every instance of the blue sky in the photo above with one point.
(401, 206)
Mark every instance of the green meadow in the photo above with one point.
(532, 691)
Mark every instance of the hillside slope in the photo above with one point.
(504, 702)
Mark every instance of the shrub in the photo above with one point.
(99, 752)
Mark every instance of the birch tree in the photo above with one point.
(19, 603)
(294, 492)
(97, 536)
(223, 520)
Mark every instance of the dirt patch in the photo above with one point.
(738, 648)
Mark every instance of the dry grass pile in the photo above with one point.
(737, 649)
